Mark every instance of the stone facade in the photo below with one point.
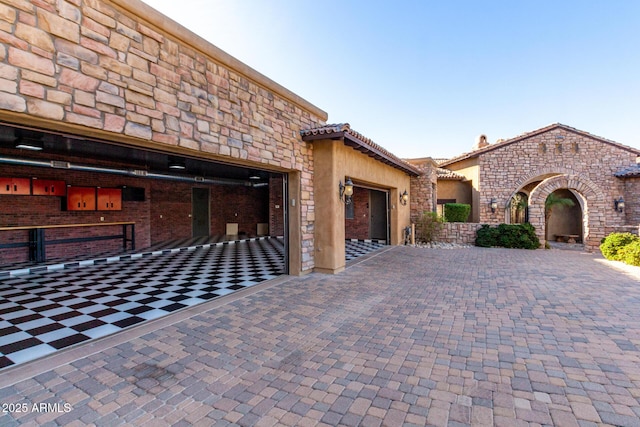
(549, 159)
(121, 71)
(458, 232)
(423, 187)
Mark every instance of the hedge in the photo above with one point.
(456, 212)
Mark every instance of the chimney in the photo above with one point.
(481, 142)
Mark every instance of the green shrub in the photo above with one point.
(487, 237)
(427, 227)
(456, 212)
(522, 236)
(630, 254)
(614, 242)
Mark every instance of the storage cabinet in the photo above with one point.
(20, 186)
(48, 187)
(109, 199)
(81, 198)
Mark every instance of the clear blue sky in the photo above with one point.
(424, 78)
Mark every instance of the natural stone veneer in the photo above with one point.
(548, 159)
(122, 68)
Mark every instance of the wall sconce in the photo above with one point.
(177, 163)
(493, 205)
(618, 204)
(346, 191)
(404, 198)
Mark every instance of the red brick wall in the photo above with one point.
(276, 207)
(358, 227)
(45, 210)
(164, 215)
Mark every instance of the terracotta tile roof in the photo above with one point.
(359, 142)
(630, 172)
(506, 142)
(448, 175)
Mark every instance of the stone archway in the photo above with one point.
(588, 195)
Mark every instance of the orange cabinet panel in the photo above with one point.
(48, 187)
(81, 198)
(109, 199)
(15, 186)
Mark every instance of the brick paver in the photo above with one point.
(416, 336)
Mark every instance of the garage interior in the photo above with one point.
(153, 232)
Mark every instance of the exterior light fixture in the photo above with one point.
(493, 205)
(177, 163)
(346, 191)
(404, 198)
(618, 204)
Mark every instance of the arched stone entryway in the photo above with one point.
(589, 197)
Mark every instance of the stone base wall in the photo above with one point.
(458, 232)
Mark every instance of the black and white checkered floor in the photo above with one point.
(355, 248)
(46, 311)
(47, 308)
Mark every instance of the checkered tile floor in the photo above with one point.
(47, 311)
(355, 248)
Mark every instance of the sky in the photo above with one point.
(424, 78)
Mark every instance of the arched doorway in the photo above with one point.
(518, 207)
(564, 222)
(590, 202)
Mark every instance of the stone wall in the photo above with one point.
(557, 157)
(120, 70)
(423, 188)
(458, 232)
(632, 200)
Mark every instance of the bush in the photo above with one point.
(456, 212)
(487, 237)
(614, 243)
(522, 236)
(427, 227)
(630, 254)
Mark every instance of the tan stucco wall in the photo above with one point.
(120, 71)
(470, 169)
(333, 162)
(460, 191)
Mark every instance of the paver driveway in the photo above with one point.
(410, 336)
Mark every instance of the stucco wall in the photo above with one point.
(121, 71)
(341, 161)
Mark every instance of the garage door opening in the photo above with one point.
(366, 222)
(165, 200)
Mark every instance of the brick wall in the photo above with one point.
(276, 206)
(42, 210)
(358, 227)
(110, 66)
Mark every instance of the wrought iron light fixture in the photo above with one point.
(618, 204)
(493, 205)
(404, 198)
(346, 191)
